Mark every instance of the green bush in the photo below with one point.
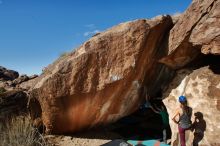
(63, 54)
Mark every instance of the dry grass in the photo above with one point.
(19, 132)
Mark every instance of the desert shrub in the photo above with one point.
(2, 90)
(63, 54)
(19, 132)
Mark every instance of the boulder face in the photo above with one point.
(202, 89)
(197, 30)
(104, 79)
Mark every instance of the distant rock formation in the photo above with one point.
(10, 79)
(6, 74)
(106, 78)
(13, 96)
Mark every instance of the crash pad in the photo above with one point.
(117, 142)
(146, 143)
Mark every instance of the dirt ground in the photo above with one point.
(95, 138)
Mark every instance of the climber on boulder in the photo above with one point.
(183, 113)
(161, 110)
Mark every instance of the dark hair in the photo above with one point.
(185, 107)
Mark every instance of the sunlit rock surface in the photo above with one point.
(104, 79)
(197, 30)
(202, 89)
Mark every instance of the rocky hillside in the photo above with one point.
(111, 74)
(13, 93)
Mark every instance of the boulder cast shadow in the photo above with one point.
(198, 127)
(142, 125)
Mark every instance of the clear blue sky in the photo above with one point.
(33, 33)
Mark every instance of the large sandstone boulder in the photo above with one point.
(104, 79)
(202, 89)
(197, 30)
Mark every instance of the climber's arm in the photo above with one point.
(175, 116)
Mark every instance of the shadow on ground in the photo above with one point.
(144, 124)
